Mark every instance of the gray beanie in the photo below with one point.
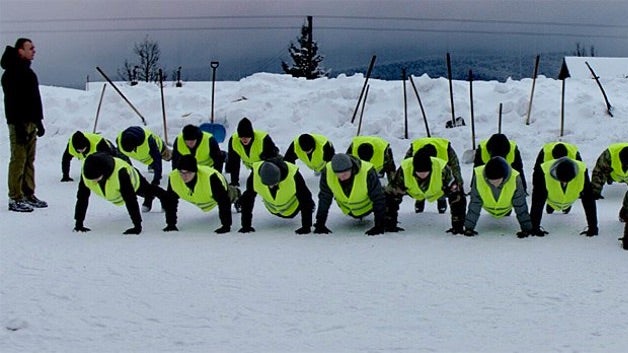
(341, 162)
(269, 173)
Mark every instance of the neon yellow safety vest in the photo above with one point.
(435, 188)
(572, 150)
(510, 157)
(358, 202)
(112, 185)
(256, 150)
(201, 196)
(202, 149)
(617, 172)
(142, 152)
(379, 149)
(556, 197)
(439, 143)
(94, 140)
(500, 207)
(316, 163)
(285, 202)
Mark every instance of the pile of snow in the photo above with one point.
(273, 291)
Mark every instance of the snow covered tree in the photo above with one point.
(305, 57)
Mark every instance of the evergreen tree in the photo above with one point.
(305, 57)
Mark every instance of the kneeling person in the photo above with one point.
(283, 190)
(117, 182)
(202, 186)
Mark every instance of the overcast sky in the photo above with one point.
(73, 37)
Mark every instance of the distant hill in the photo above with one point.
(485, 67)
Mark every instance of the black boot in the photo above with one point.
(419, 206)
(441, 205)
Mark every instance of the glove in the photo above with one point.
(469, 232)
(590, 232)
(171, 228)
(523, 234)
(247, 229)
(80, 228)
(321, 229)
(375, 230)
(222, 230)
(303, 230)
(455, 230)
(66, 178)
(134, 230)
(40, 129)
(539, 232)
(20, 134)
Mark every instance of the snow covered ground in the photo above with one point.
(421, 290)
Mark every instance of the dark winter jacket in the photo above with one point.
(374, 187)
(22, 101)
(303, 193)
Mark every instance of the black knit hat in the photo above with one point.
(191, 132)
(98, 164)
(429, 149)
(365, 151)
(422, 161)
(496, 168)
(306, 142)
(498, 145)
(559, 151)
(269, 173)
(188, 162)
(341, 162)
(129, 141)
(79, 141)
(245, 128)
(563, 169)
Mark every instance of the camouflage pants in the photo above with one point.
(21, 177)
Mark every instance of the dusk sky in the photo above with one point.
(73, 37)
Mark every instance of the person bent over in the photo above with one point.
(283, 191)
(355, 186)
(423, 177)
(313, 150)
(560, 182)
(497, 188)
(375, 150)
(201, 144)
(117, 182)
(82, 144)
(202, 186)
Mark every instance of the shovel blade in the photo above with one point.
(217, 130)
(468, 156)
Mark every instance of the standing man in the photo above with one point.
(24, 113)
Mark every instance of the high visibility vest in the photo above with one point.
(202, 149)
(94, 140)
(439, 143)
(617, 172)
(556, 197)
(435, 188)
(500, 207)
(111, 192)
(379, 149)
(510, 157)
(256, 150)
(358, 202)
(316, 162)
(201, 196)
(572, 150)
(142, 152)
(285, 202)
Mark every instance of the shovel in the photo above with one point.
(469, 155)
(217, 130)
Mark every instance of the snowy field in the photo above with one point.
(422, 290)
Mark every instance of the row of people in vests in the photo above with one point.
(246, 136)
